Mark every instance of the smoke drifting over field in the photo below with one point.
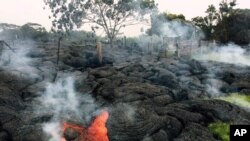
(64, 104)
(231, 53)
(176, 29)
(164, 32)
(17, 59)
(60, 100)
(164, 26)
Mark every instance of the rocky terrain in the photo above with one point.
(148, 98)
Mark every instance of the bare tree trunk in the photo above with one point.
(58, 57)
(58, 49)
(99, 51)
(111, 42)
(2, 43)
(125, 41)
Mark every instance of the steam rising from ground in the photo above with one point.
(18, 60)
(60, 101)
(164, 33)
(230, 53)
(176, 29)
(60, 98)
(163, 26)
(147, 42)
(64, 104)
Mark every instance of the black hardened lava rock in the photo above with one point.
(147, 99)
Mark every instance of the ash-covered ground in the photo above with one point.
(148, 98)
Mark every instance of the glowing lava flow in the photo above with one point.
(97, 130)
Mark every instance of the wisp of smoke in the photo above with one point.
(147, 42)
(64, 104)
(18, 61)
(164, 31)
(60, 98)
(164, 27)
(61, 101)
(231, 53)
(174, 29)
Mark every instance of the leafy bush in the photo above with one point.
(220, 130)
(34, 31)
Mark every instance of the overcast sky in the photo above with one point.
(22, 11)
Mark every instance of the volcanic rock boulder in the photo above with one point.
(70, 134)
(177, 121)
(132, 127)
(196, 67)
(11, 105)
(82, 58)
(194, 131)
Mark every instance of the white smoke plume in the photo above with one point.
(64, 104)
(175, 29)
(60, 100)
(231, 54)
(164, 33)
(17, 61)
(147, 43)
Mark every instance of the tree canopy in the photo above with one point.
(170, 25)
(217, 23)
(207, 23)
(171, 16)
(109, 15)
(239, 27)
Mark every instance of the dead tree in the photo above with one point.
(99, 51)
(3, 43)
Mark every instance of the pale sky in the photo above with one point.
(22, 11)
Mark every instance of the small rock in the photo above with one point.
(70, 134)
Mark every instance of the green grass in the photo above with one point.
(220, 130)
(238, 99)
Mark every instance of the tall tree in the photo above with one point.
(226, 10)
(207, 23)
(109, 15)
(239, 27)
(216, 23)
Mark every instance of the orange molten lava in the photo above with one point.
(97, 130)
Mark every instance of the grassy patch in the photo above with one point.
(238, 99)
(220, 130)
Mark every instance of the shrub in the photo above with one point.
(220, 130)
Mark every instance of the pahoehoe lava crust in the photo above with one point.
(148, 99)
